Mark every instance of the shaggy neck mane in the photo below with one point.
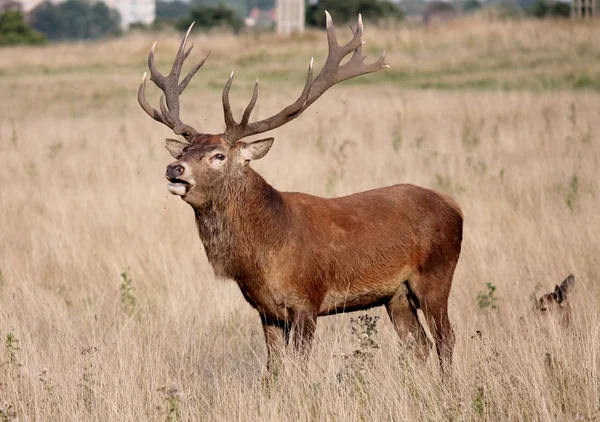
(243, 220)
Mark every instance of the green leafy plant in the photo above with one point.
(364, 329)
(572, 192)
(11, 345)
(488, 299)
(173, 397)
(128, 300)
(470, 134)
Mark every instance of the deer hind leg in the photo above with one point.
(403, 314)
(432, 292)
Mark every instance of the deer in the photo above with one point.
(556, 304)
(295, 256)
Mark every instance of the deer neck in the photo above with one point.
(243, 221)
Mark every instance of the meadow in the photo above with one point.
(109, 310)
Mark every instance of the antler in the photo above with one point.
(331, 74)
(171, 88)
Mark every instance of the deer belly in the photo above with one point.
(356, 298)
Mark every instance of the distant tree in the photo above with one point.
(46, 18)
(348, 10)
(75, 19)
(414, 7)
(104, 20)
(14, 30)
(550, 9)
(261, 4)
(210, 17)
(471, 5)
(171, 11)
(239, 7)
(540, 9)
(560, 9)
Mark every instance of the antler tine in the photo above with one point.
(337, 52)
(251, 104)
(155, 75)
(235, 131)
(192, 72)
(146, 105)
(331, 37)
(331, 74)
(229, 120)
(172, 89)
(181, 55)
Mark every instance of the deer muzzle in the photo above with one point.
(179, 177)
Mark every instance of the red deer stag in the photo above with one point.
(296, 256)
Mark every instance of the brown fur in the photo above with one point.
(297, 256)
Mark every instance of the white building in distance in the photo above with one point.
(290, 16)
(134, 11)
(131, 11)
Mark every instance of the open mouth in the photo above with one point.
(178, 186)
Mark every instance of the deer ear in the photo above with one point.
(175, 147)
(255, 150)
(559, 294)
(568, 284)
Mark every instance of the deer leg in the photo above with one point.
(434, 303)
(304, 326)
(439, 324)
(403, 315)
(277, 335)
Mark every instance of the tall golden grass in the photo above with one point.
(109, 309)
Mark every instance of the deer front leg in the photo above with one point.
(304, 326)
(277, 336)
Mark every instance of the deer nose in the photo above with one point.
(174, 171)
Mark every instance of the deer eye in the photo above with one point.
(219, 157)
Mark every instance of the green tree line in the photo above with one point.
(75, 19)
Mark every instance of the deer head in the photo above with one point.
(556, 303)
(207, 163)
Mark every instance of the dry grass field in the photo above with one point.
(110, 311)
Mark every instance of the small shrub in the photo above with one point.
(88, 379)
(128, 300)
(172, 403)
(7, 413)
(11, 345)
(364, 329)
(443, 183)
(572, 192)
(471, 134)
(397, 139)
(419, 141)
(487, 299)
